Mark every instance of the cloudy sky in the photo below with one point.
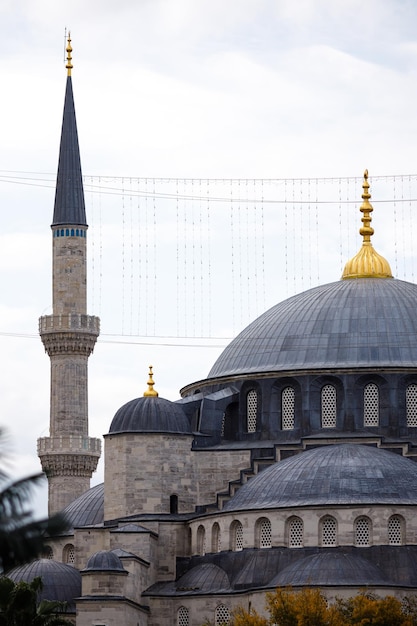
(179, 88)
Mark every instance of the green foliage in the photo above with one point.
(22, 537)
(19, 605)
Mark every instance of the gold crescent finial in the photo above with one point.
(367, 263)
(150, 392)
(69, 57)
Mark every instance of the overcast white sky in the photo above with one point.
(181, 88)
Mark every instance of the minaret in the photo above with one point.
(69, 456)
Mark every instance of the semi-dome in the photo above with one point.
(363, 322)
(61, 582)
(150, 414)
(204, 578)
(87, 509)
(330, 568)
(346, 474)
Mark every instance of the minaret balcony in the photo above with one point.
(75, 322)
(69, 444)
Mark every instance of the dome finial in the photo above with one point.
(69, 57)
(150, 392)
(367, 263)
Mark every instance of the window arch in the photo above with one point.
(371, 405)
(201, 540)
(68, 554)
(363, 528)
(236, 536)
(48, 553)
(216, 542)
(328, 406)
(251, 410)
(182, 616)
(411, 404)
(263, 533)
(328, 532)
(221, 615)
(287, 408)
(396, 530)
(295, 532)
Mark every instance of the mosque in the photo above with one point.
(292, 463)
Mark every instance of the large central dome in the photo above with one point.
(364, 322)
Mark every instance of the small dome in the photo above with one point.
(87, 509)
(61, 582)
(104, 560)
(152, 415)
(331, 475)
(207, 578)
(329, 568)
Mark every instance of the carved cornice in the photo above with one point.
(68, 464)
(69, 334)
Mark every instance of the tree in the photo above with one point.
(22, 538)
(19, 605)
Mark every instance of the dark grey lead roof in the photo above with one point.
(87, 509)
(60, 581)
(330, 568)
(366, 322)
(69, 205)
(150, 414)
(104, 560)
(346, 474)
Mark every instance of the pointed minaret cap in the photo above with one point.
(150, 392)
(367, 263)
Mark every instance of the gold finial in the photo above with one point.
(367, 263)
(69, 57)
(150, 392)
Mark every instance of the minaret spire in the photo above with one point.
(69, 456)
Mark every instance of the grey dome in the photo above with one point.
(150, 414)
(61, 582)
(104, 560)
(204, 578)
(331, 475)
(87, 509)
(330, 568)
(365, 322)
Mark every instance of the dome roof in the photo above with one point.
(207, 578)
(331, 475)
(363, 322)
(61, 582)
(87, 509)
(104, 560)
(330, 568)
(152, 415)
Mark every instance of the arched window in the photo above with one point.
(201, 540)
(371, 405)
(182, 616)
(411, 404)
(173, 504)
(221, 615)
(68, 554)
(363, 531)
(236, 536)
(328, 532)
(216, 543)
(328, 406)
(295, 533)
(396, 530)
(263, 533)
(251, 410)
(48, 553)
(287, 408)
